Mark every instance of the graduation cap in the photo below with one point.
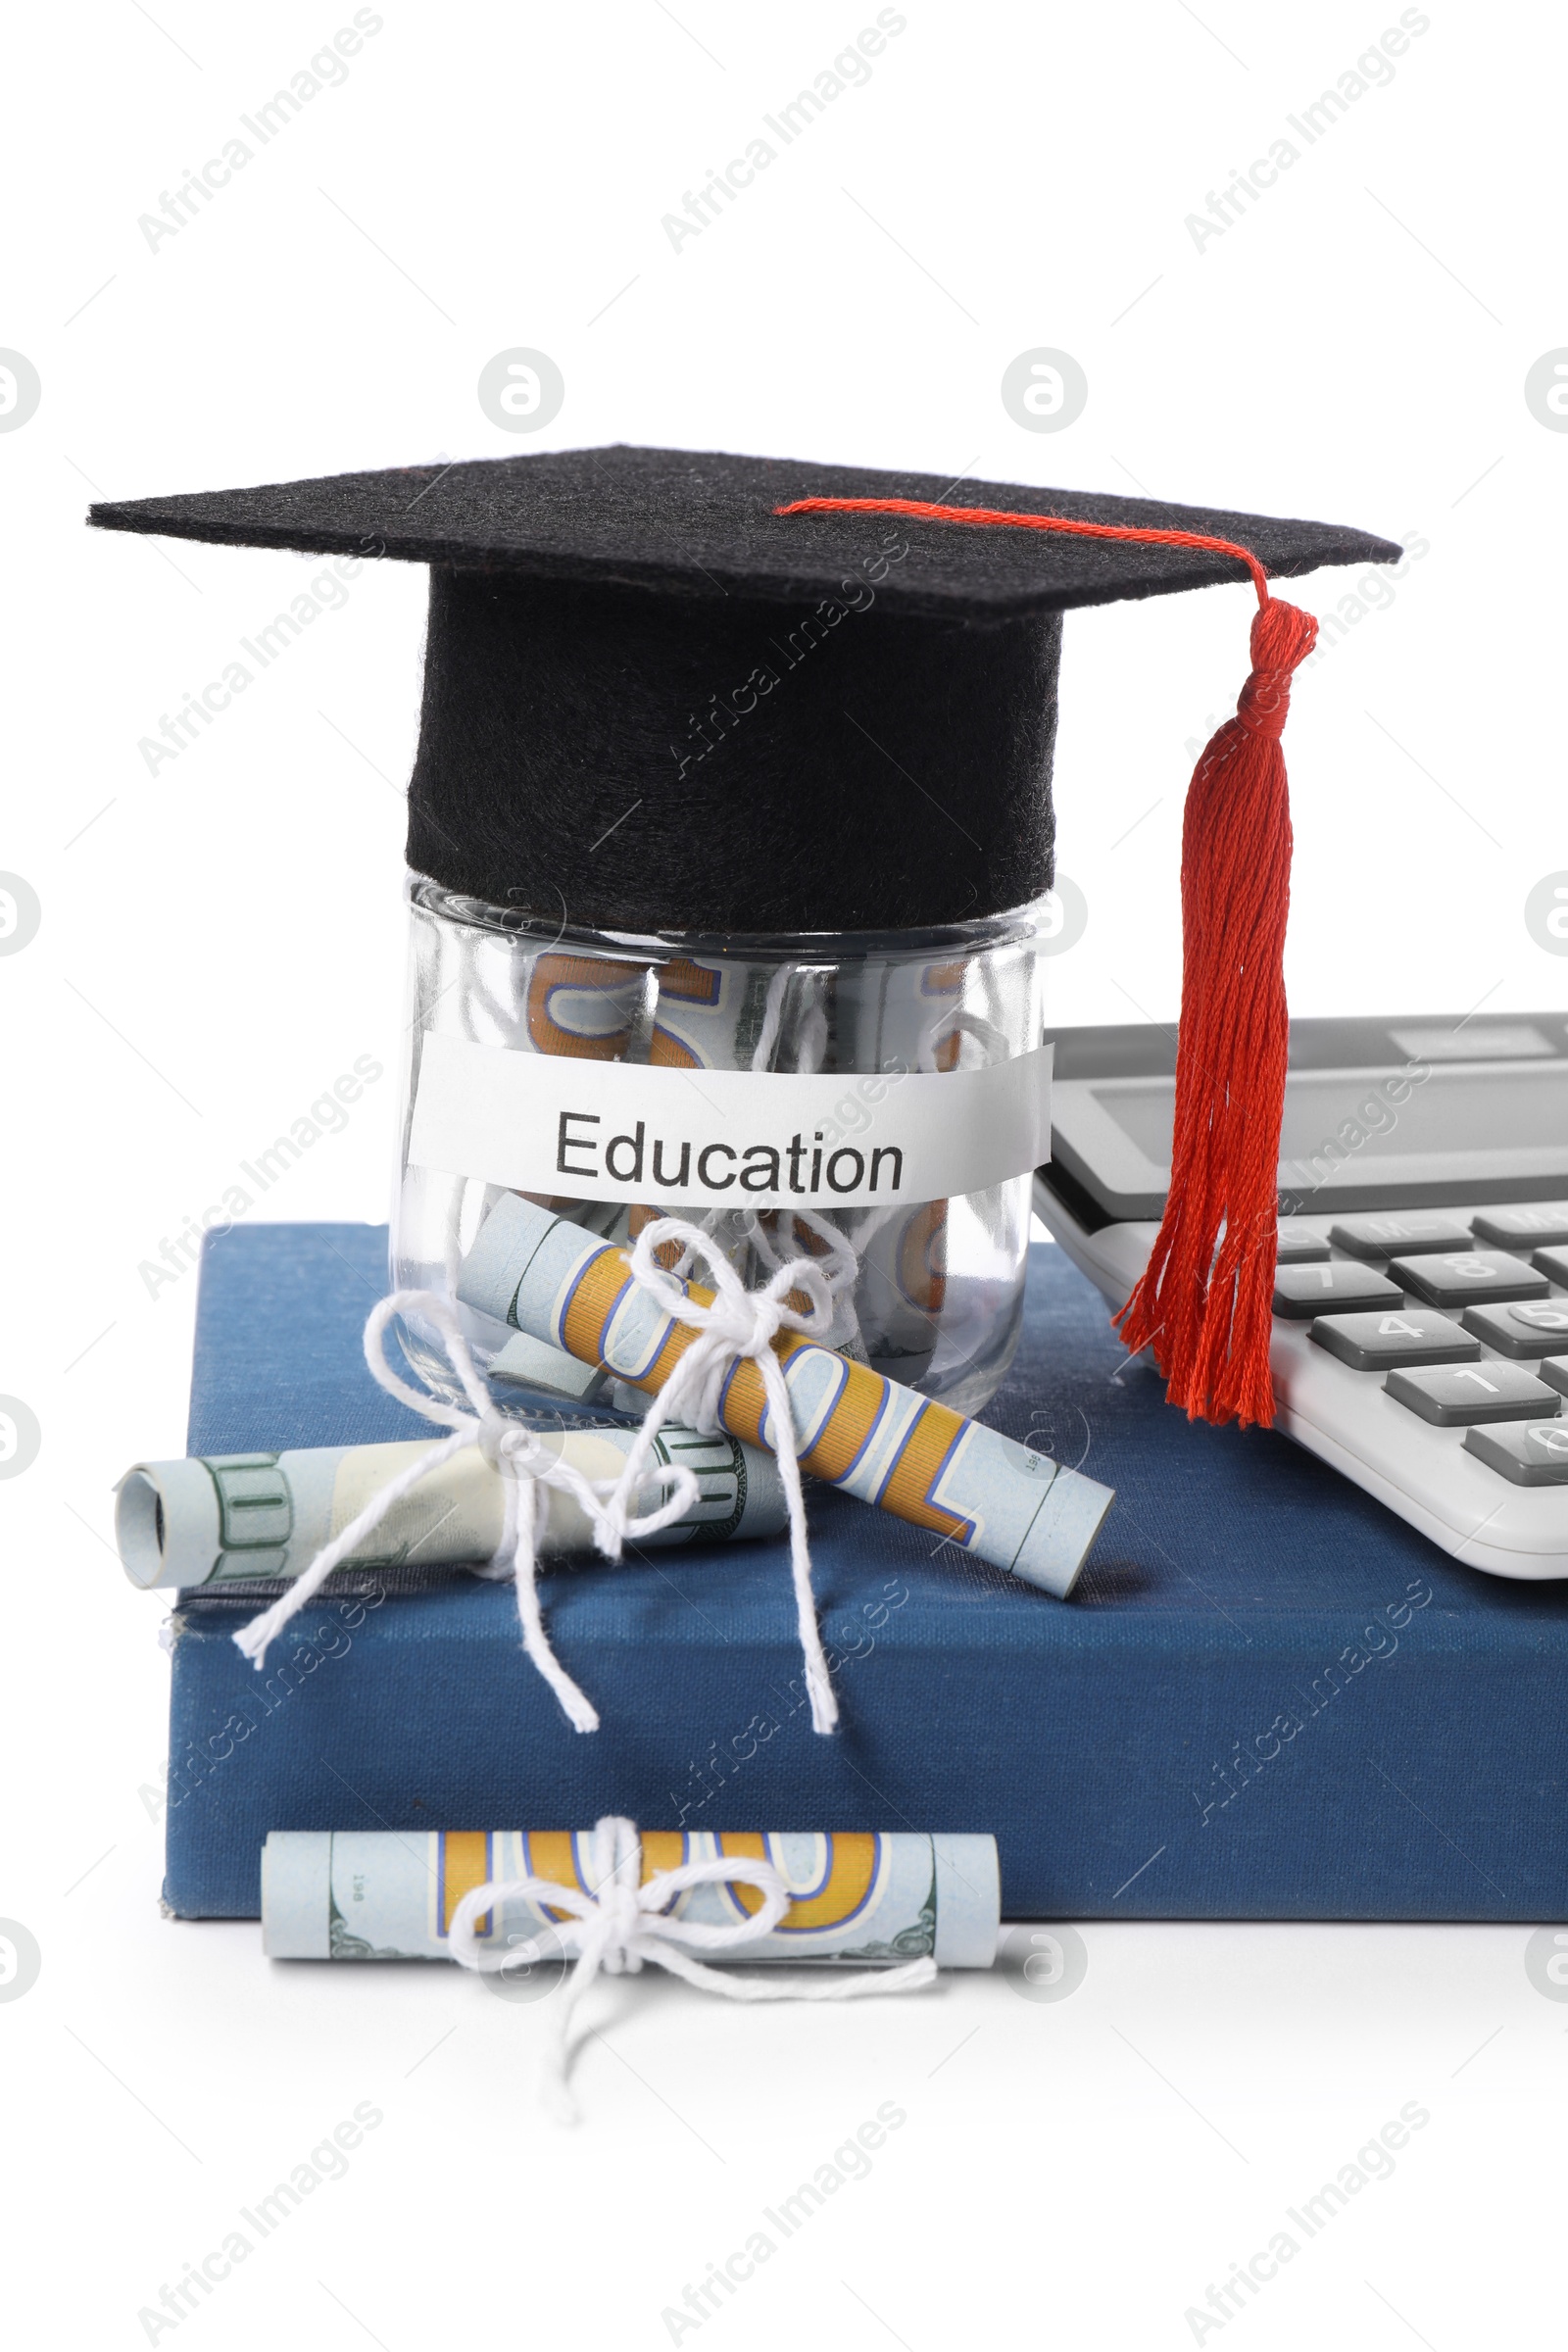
(671, 691)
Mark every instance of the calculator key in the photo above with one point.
(1521, 1332)
(1397, 1234)
(1455, 1396)
(1553, 1263)
(1555, 1370)
(1302, 1291)
(1408, 1335)
(1530, 1453)
(1454, 1280)
(1299, 1248)
(1518, 1228)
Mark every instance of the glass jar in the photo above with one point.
(933, 1293)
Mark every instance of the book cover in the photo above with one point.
(1267, 1699)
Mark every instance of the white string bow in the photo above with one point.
(740, 1324)
(620, 1925)
(528, 1467)
(839, 1261)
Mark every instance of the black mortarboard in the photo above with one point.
(648, 692)
(677, 691)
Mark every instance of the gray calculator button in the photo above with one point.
(1518, 1228)
(1299, 1248)
(1397, 1234)
(1463, 1276)
(1553, 1263)
(1550, 1315)
(1405, 1335)
(1555, 1370)
(1302, 1291)
(1530, 1453)
(1458, 1394)
(1503, 1328)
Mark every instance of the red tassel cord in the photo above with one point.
(1203, 1303)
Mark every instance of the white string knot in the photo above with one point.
(528, 1465)
(739, 1325)
(623, 1924)
(837, 1260)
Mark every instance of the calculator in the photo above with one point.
(1420, 1337)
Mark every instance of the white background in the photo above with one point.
(221, 939)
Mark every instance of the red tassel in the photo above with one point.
(1205, 1302)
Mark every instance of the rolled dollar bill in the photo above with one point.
(710, 1017)
(548, 1372)
(852, 1427)
(682, 1013)
(859, 1897)
(241, 1515)
(903, 1016)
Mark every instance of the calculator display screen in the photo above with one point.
(1352, 1138)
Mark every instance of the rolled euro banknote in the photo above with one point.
(852, 1427)
(241, 1515)
(859, 1897)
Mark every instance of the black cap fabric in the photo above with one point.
(653, 699)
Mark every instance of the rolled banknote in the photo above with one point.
(677, 1014)
(711, 1016)
(859, 1897)
(680, 1014)
(548, 1372)
(674, 1013)
(852, 1427)
(903, 1016)
(242, 1515)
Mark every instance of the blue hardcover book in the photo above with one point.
(1269, 1698)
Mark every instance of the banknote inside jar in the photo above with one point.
(929, 1292)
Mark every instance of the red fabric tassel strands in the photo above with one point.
(1205, 1302)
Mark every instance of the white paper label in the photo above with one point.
(759, 1139)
